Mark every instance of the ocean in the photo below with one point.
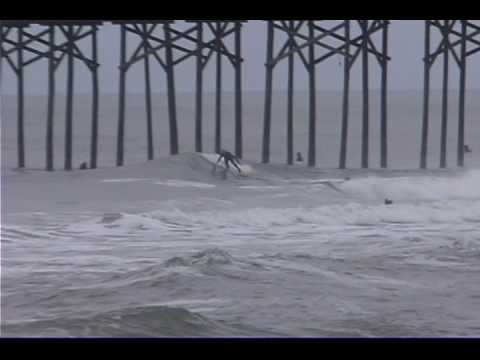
(164, 248)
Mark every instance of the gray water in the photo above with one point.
(163, 248)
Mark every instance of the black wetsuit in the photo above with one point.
(229, 157)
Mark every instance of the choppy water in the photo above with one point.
(165, 249)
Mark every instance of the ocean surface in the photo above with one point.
(166, 248)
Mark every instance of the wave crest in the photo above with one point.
(142, 321)
(214, 256)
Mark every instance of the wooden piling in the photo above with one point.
(268, 94)
(238, 90)
(94, 70)
(443, 141)
(383, 104)
(148, 95)
(51, 99)
(199, 89)
(346, 94)
(69, 107)
(461, 99)
(312, 97)
(121, 111)
(291, 63)
(365, 95)
(218, 89)
(20, 103)
(426, 97)
(172, 109)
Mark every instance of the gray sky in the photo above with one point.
(405, 70)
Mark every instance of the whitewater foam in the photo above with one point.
(414, 188)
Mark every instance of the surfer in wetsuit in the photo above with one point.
(228, 157)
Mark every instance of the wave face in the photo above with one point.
(145, 321)
(167, 249)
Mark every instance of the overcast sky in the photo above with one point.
(405, 70)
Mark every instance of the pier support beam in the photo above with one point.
(383, 102)
(319, 36)
(51, 100)
(426, 97)
(291, 69)
(461, 99)
(172, 106)
(33, 44)
(171, 48)
(365, 94)
(121, 98)
(69, 107)
(20, 101)
(238, 90)
(267, 119)
(459, 40)
(218, 91)
(148, 96)
(95, 93)
(199, 89)
(444, 129)
(346, 98)
(312, 115)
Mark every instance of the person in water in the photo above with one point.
(466, 149)
(228, 157)
(299, 157)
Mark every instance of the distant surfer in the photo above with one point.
(299, 157)
(83, 166)
(466, 149)
(388, 202)
(228, 157)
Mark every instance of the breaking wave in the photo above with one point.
(141, 321)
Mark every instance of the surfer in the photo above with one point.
(299, 157)
(228, 157)
(388, 202)
(466, 149)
